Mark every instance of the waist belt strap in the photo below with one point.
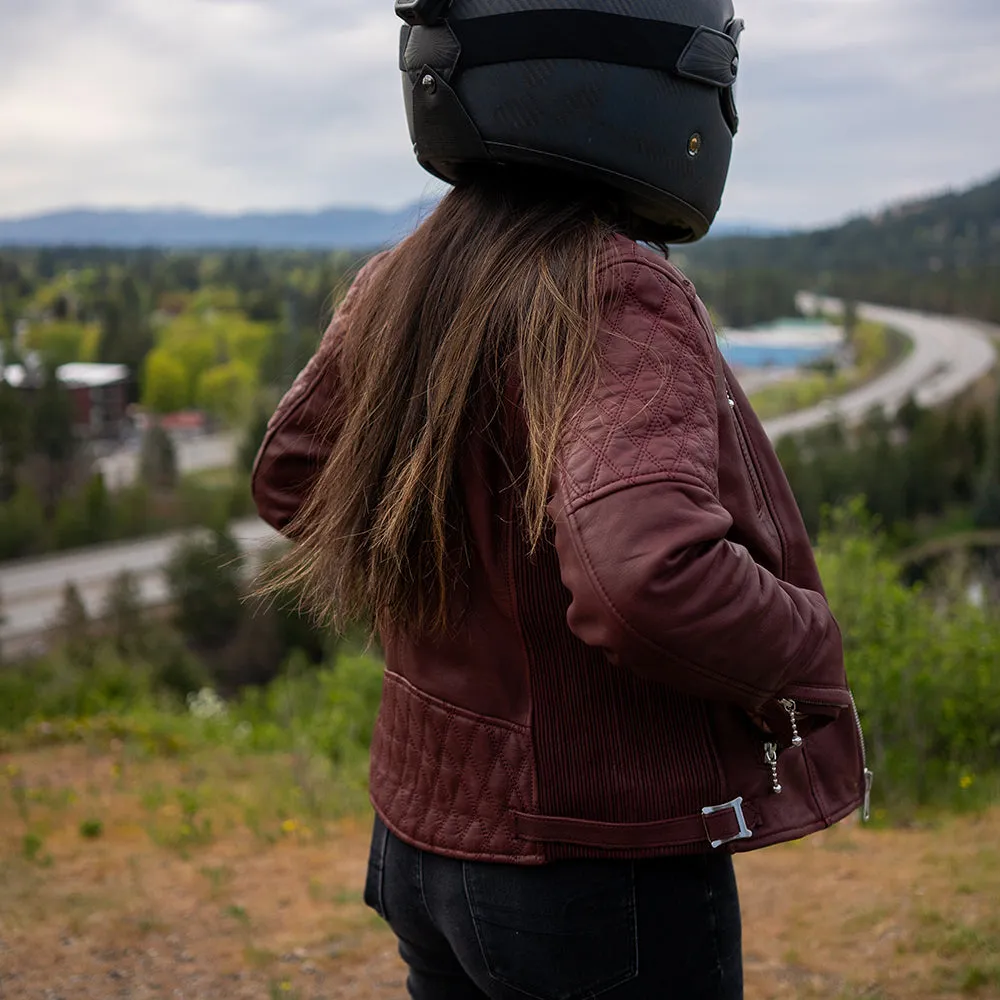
(714, 825)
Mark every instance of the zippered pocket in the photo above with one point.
(772, 749)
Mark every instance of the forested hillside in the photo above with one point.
(219, 333)
(181, 322)
(939, 254)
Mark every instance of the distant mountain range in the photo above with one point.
(332, 228)
(936, 233)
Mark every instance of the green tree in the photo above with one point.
(851, 320)
(165, 383)
(86, 519)
(986, 509)
(226, 391)
(14, 437)
(60, 342)
(922, 665)
(22, 524)
(73, 627)
(158, 460)
(205, 577)
(52, 419)
(124, 615)
(125, 335)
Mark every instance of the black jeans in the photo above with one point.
(662, 929)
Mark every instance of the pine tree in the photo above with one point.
(73, 627)
(986, 510)
(158, 459)
(206, 589)
(124, 613)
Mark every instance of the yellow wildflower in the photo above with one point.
(966, 781)
(290, 826)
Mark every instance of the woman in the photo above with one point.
(519, 454)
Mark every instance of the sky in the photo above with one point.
(230, 105)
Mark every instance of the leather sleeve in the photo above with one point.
(641, 533)
(299, 435)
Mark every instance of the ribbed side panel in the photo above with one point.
(609, 745)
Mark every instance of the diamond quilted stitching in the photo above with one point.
(449, 780)
(652, 410)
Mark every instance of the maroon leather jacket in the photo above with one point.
(644, 683)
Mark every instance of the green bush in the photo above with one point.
(23, 531)
(924, 669)
(327, 712)
(332, 710)
(56, 687)
(922, 661)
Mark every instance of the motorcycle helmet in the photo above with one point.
(636, 96)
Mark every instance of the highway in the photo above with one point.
(949, 355)
(32, 590)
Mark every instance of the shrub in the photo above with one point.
(206, 589)
(58, 687)
(923, 666)
(332, 710)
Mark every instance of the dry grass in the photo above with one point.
(199, 879)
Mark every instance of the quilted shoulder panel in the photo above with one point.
(653, 411)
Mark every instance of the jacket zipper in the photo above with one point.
(758, 491)
(756, 480)
(866, 809)
(771, 752)
(771, 748)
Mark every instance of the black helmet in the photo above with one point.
(637, 95)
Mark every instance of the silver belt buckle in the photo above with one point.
(737, 807)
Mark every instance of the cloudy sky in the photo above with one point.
(228, 105)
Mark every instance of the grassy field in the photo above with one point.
(132, 873)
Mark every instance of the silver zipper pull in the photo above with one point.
(732, 402)
(866, 811)
(771, 756)
(789, 706)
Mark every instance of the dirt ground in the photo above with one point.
(111, 887)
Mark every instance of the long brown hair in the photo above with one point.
(502, 273)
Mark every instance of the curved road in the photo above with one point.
(949, 355)
(32, 590)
